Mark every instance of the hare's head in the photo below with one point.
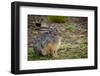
(56, 29)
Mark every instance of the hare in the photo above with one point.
(49, 42)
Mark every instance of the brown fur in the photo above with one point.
(49, 42)
(51, 49)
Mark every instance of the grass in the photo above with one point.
(33, 56)
(73, 46)
(71, 26)
(67, 51)
(57, 19)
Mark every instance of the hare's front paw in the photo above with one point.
(43, 52)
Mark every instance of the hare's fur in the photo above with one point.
(48, 43)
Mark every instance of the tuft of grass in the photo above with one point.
(33, 56)
(71, 26)
(57, 19)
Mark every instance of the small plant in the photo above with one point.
(72, 27)
(57, 19)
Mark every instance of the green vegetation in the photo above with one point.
(71, 26)
(74, 43)
(57, 19)
(72, 47)
(33, 56)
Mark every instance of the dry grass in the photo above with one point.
(74, 45)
